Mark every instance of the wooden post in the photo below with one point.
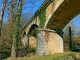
(70, 39)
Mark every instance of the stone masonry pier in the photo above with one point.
(49, 42)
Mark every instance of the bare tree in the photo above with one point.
(2, 13)
(11, 29)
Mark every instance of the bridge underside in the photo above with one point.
(62, 16)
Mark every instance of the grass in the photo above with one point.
(56, 56)
(49, 57)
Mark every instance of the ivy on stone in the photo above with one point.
(42, 16)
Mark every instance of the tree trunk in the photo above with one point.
(70, 39)
(2, 14)
(16, 30)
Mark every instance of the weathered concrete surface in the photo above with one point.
(49, 43)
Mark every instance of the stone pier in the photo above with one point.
(49, 42)
(42, 46)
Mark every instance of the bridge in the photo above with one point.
(52, 14)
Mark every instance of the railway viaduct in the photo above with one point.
(52, 16)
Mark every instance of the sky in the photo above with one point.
(33, 6)
(74, 24)
(76, 20)
(28, 6)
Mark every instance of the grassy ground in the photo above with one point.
(49, 57)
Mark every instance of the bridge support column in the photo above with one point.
(42, 46)
(49, 42)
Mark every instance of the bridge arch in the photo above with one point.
(32, 29)
(34, 21)
(64, 13)
(27, 36)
